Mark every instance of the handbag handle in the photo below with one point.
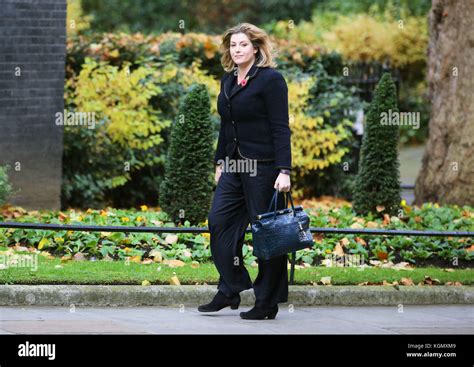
(274, 201)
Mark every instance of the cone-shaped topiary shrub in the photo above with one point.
(185, 193)
(377, 186)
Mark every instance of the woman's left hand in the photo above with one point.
(282, 183)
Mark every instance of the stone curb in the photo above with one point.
(167, 295)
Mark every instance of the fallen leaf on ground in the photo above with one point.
(79, 257)
(174, 280)
(345, 242)
(406, 281)
(156, 255)
(382, 255)
(454, 283)
(387, 264)
(136, 259)
(319, 237)
(338, 250)
(375, 262)
(356, 226)
(20, 248)
(429, 281)
(326, 280)
(333, 220)
(359, 220)
(171, 239)
(371, 224)
(402, 266)
(174, 263)
(66, 258)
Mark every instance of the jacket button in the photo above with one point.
(235, 139)
(233, 122)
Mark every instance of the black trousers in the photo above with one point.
(238, 198)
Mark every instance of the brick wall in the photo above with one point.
(32, 59)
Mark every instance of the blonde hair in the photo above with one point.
(259, 38)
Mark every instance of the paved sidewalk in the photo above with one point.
(416, 319)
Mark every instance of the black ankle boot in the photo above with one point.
(260, 313)
(219, 302)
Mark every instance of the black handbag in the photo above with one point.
(280, 232)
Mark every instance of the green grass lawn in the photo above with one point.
(120, 272)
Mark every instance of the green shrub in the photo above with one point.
(336, 104)
(125, 140)
(185, 193)
(205, 15)
(377, 186)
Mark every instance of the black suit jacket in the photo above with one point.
(254, 117)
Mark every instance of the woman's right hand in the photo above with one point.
(218, 173)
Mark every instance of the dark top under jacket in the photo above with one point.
(254, 117)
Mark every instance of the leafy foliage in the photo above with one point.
(76, 21)
(89, 166)
(188, 247)
(400, 42)
(204, 15)
(124, 139)
(322, 113)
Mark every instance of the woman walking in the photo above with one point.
(253, 105)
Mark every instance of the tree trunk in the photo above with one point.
(447, 173)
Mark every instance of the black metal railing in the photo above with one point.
(86, 228)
